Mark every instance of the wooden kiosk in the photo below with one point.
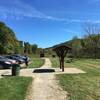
(61, 52)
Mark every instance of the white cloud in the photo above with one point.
(82, 21)
(69, 31)
(18, 9)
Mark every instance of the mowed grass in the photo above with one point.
(36, 63)
(81, 86)
(14, 88)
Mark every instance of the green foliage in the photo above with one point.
(21, 47)
(87, 47)
(9, 43)
(30, 49)
(34, 48)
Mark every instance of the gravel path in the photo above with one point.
(45, 86)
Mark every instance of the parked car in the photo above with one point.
(21, 56)
(11, 60)
(18, 59)
(5, 63)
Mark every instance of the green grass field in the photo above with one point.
(81, 86)
(36, 63)
(14, 88)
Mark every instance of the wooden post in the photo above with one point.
(60, 63)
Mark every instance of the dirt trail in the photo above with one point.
(45, 86)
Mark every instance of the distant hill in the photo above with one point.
(88, 46)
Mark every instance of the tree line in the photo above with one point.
(9, 44)
(87, 46)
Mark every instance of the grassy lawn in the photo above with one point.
(14, 88)
(36, 63)
(81, 86)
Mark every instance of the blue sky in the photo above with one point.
(49, 22)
